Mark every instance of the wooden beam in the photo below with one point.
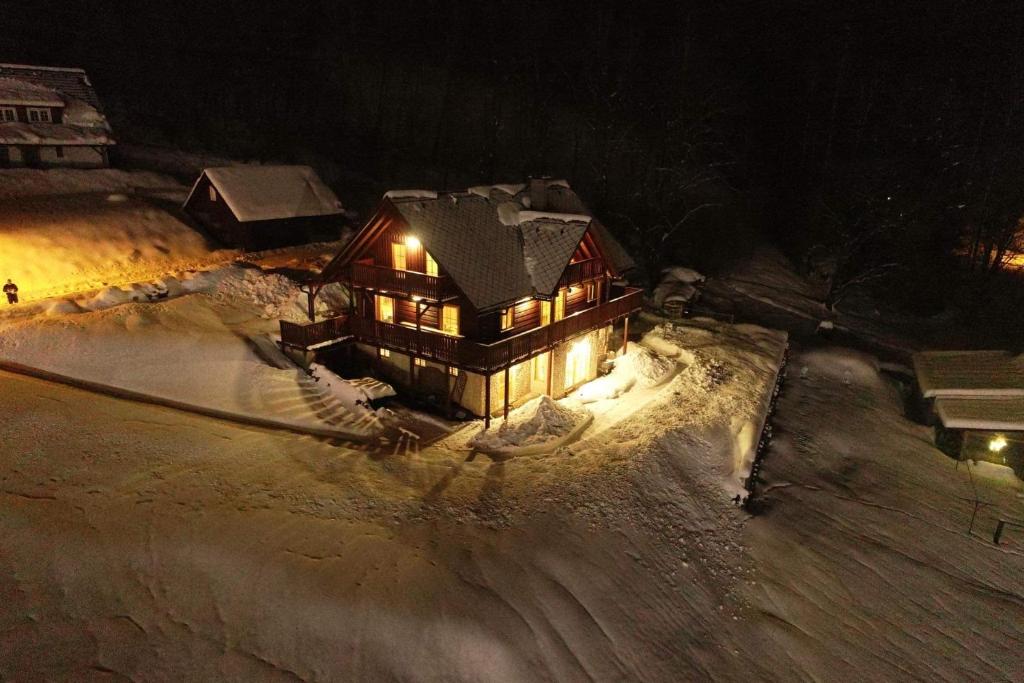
(487, 401)
(551, 361)
(625, 337)
(506, 394)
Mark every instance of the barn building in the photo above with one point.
(479, 298)
(51, 116)
(975, 402)
(265, 207)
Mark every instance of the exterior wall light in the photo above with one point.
(996, 444)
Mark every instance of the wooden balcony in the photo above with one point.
(313, 334)
(582, 271)
(407, 282)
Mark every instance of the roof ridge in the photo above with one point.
(74, 69)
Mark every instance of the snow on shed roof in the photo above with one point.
(993, 414)
(969, 373)
(260, 193)
(72, 82)
(17, 91)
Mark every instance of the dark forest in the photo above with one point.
(878, 144)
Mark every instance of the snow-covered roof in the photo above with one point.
(995, 414)
(261, 193)
(969, 373)
(72, 82)
(16, 91)
(52, 134)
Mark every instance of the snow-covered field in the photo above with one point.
(66, 230)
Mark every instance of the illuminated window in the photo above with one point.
(591, 291)
(431, 265)
(213, 193)
(398, 251)
(420, 363)
(450, 320)
(38, 115)
(385, 309)
(384, 353)
(540, 367)
(454, 372)
(560, 304)
(8, 114)
(508, 318)
(545, 312)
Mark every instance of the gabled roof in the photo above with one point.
(260, 193)
(562, 198)
(67, 81)
(17, 91)
(495, 248)
(996, 374)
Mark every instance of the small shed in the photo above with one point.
(265, 207)
(975, 402)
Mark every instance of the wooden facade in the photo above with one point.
(413, 316)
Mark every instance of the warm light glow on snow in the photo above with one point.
(412, 241)
(997, 444)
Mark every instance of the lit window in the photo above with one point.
(454, 372)
(420, 363)
(38, 115)
(508, 317)
(591, 291)
(431, 266)
(398, 251)
(8, 114)
(213, 193)
(384, 353)
(385, 309)
(450, 320)
(540, 367)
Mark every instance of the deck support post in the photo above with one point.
(506, 394)
(412, 370)
(487, 401)
(625, 336)
(551, 361)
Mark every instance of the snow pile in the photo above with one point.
(539, 424)
(355, 399)
(410, 194)
(276, 296)
(677, 284)
(639, 367)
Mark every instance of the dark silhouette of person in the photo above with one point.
(11, 290)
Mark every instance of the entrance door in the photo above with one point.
(577, 362)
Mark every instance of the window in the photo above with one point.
(8, 114)
(385, 309)
(213, 193)
(454, 372)
(545, 312)
(560, 304)
(450, 320)
(431, 265)
(540, 367)
(420, 363)
(591, 288)
(508, 318)
(59, 151)
(398, 251)
(38, 115)
(384, 353)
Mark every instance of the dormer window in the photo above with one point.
(8, 114)
(39, 115)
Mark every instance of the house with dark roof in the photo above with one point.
(265, 207)
(479, 298)
(975, 402)
(51, 116)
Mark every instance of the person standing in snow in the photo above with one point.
(11, 290)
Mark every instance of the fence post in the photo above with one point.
(999, 531)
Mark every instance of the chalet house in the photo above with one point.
(51, 116)
(265, 207)
(479, 298)
(975, 401)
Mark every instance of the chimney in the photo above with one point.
(538, 194)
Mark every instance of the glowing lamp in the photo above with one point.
(997, 444)
(412, 241)
(417, 298)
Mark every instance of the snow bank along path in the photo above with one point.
(190, 352)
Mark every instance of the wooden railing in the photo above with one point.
(311, 334)
(472, 355)
(581, 271)
(406, 282)
(459, 351)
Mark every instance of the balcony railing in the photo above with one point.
(458, 351)
(581, 271)
(410, 283)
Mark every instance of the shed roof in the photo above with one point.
(260, 193)
(994, 414)
(969, 373)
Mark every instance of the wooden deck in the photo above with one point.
(406, 282)
(458, 351)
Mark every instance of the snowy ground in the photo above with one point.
(208, 344)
